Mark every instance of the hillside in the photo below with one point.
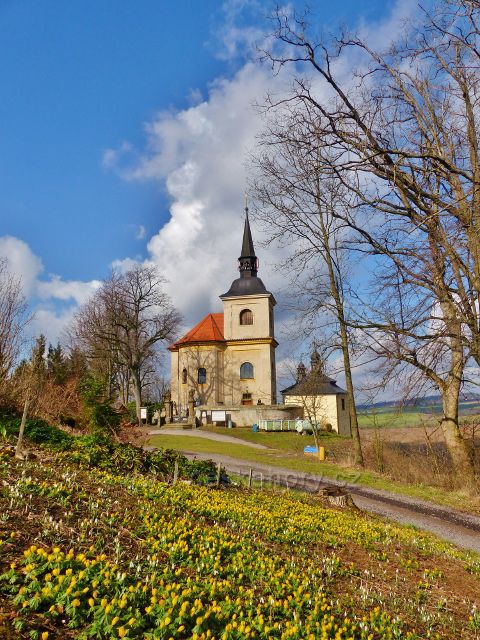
(89, 553)
(469, 403)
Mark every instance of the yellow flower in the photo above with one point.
(122, 632)
(44, 635)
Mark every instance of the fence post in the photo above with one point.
(250, 473)
(219, 473)
(175, 472)
(261, 481)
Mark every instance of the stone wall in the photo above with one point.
(246, 416)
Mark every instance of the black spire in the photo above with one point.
(247, 262)
(248, 284)
(247, 244)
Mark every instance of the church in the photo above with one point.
(228, 359)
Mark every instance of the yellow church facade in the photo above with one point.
(228, 359)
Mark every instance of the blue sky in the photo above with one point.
(81, 77)
(125, 130)
(77, 78)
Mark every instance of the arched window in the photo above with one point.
(202, 375)
(184, 376)
(246, 316)
(246, 371)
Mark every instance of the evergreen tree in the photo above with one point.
(56, 364)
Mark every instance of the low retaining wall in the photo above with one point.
(245, 416)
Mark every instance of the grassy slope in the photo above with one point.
(287, 452)
(389, 419)
(119, 556)
(412, 417)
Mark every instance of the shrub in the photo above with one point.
(99, 451)
(37, 431)
(101, 416)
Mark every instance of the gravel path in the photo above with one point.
(452, 525)
(208, 435)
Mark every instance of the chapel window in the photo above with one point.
(184, 376)
(343, 404)
(246, 371)
(202, 375)
(246, 316)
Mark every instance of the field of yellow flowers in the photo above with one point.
(92, 554)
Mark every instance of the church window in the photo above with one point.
(246, 316)
(184, 376)
(343, 404)
(246, 371)
(202, 375)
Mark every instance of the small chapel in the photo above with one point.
(228, 359)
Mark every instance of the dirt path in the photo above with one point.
(207, 435)
(454, 526)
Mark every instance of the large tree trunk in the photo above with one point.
(137, 392)
(18, 448)
(456, 445)
(352, 409)
(336, 294)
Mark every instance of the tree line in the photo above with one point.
(111, 350)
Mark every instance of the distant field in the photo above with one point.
(411, 416)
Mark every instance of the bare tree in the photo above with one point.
(29, 387)
(125, 320)
(402, 137)
(299, 205)
(13, 321)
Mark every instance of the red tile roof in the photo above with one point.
(210, 329)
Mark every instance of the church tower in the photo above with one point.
(249, 327)
(228, 359)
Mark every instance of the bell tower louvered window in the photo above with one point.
(246, 316)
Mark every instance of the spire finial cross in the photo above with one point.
(246, 203)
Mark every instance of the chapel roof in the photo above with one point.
(210, 329)
(314, 384)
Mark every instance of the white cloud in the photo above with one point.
(201, 154)
(21, 261)
(238, 41)
(66, 289)
(44, 294)
(51, 323)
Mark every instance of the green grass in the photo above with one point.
(389, 419)
(295, 461)
(289, 441)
